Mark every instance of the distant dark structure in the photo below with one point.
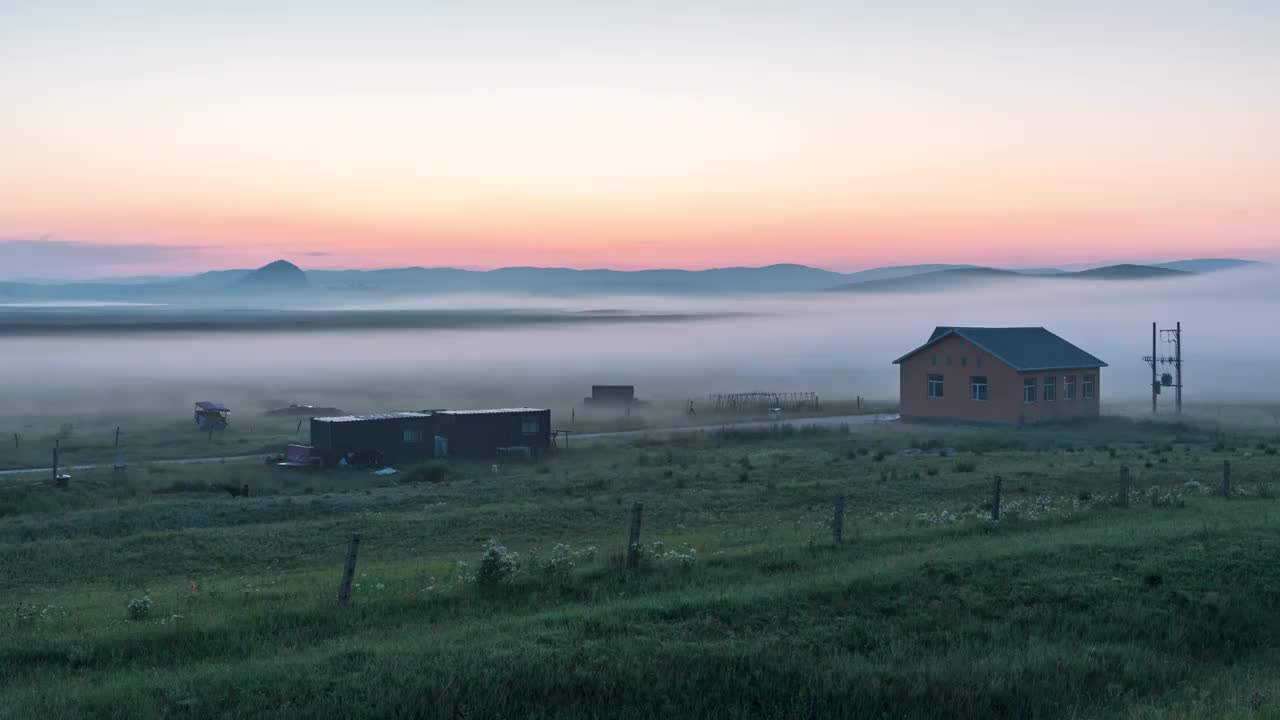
(611, 395)
(211, 415)
(407, 437)
(1013, 375)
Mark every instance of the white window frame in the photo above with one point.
(1068, 387)
(1033, 385)
(1050, 389)
(1087, 388)
(941, 382)
(977, 389)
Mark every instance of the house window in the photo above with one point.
(413, 436)
(1029, 390)
(935, 359)
(964, 361)
(977, 388)
(1086, 387)
(935, 386)
(1069, 387)
(529, 424)
(978, 361)
(1050, 389)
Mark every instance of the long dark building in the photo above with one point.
(406, 437)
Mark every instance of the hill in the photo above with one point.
(275, 276)
(935, 281)
(1206, 265)
(1126, 272)
(222, 286)
(960, 278)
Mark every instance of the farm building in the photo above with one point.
(211, 415)
(612, 395)
(406, 437)
(1015, 376)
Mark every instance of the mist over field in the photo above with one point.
(839, 345)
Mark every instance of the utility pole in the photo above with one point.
(1177, 367)
(1175, 380)
(1155, 384)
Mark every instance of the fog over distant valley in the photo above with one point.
(839, 345)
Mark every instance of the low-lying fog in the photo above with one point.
(839, 345)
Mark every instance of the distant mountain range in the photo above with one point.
(284, 278)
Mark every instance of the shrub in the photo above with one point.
(931, 471)
(879, 456)
(497, 565)
(140, 608)
(432, 473)
(966, 466)
(543, 469)
(563, 559)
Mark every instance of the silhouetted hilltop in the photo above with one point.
(278, 275)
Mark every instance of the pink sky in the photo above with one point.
(648, 138)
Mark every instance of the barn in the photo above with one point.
(1006, 375)
(407, 437)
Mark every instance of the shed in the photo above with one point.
(483, 433)
(398, 437)
(211, 415)
(406, 437)
(612, 395)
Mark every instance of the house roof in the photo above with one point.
(375, 416)
(1021, 348)
(491, 411)
(212, 406)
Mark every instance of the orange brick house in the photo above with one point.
(1014, 376)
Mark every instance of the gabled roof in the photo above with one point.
(1021, 348)
(212, 406)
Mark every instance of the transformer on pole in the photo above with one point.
(1162, 380)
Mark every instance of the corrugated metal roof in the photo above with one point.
(374, 416)
(1021, 348)
(493, 411)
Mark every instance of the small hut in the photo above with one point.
(211, 415)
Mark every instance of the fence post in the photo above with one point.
(633, 537)
(837, 520)
(55, 460)
(1226, 478)
(348, 570)
(995, 499)
(1124, 486)
(117, 436)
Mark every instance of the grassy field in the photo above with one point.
(154, 594)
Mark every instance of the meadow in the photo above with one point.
(483, 592)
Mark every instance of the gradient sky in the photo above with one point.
(173, 136)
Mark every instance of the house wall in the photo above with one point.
(384, 436)
(1004, 403)
(479, 435)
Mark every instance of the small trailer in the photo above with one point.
(211, 415)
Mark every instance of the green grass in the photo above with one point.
(1069, 607)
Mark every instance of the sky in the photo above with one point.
(164, 137)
